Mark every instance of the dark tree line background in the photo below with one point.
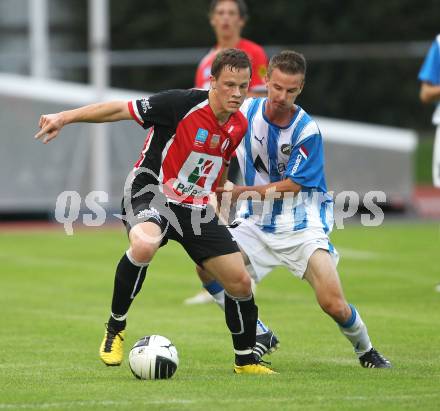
(376, 90)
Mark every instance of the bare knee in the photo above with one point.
(141, 250)
(239, 286)
(336, 308)
(229, 270)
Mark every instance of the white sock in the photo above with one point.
(261, 328)
(218, 293)
(220, 299)
(356, 332)
(133, 261)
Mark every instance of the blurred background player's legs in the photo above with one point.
(206, 294)
(436, 171)
(436, 160)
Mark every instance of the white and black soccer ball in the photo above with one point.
(153, 357)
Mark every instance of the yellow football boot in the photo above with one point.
(111, 351)
(253, 369)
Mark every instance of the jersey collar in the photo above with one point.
(295, 115)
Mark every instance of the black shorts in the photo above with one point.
(197, 229)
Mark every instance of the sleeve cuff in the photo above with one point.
(132, 107)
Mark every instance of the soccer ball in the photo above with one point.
(153, 357)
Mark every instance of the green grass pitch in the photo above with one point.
(55, 293)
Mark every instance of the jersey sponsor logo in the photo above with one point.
(197, 175)
(201, 172)
(259, 165)
(286, 149)
(259, 140)
(145, 104)
(304, 152)
(215, 141)
(297, 163)
(201, 137)
(225, 145)
(189, 190)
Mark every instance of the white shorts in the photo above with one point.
(291, 249)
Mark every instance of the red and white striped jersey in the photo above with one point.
(185, 149)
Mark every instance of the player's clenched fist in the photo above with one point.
(50, 125)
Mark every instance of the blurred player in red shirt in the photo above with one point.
(227, 18)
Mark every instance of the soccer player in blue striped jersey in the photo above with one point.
(285, 214)
(429, 75)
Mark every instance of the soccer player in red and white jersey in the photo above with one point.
(227, 18)
(192, 136)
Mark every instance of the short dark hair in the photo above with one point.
(288, 61)
(242, 8)
(233, 58)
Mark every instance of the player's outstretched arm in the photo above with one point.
(51, 124)
(267, 190)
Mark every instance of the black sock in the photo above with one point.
(116, 325)
(241, 317)
(128, 282)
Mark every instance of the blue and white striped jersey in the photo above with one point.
(269, 153)
(430, 72)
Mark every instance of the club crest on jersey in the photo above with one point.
(286, 149)
(215, 141)
(225, 145)
(201, 137)
(262, 71)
